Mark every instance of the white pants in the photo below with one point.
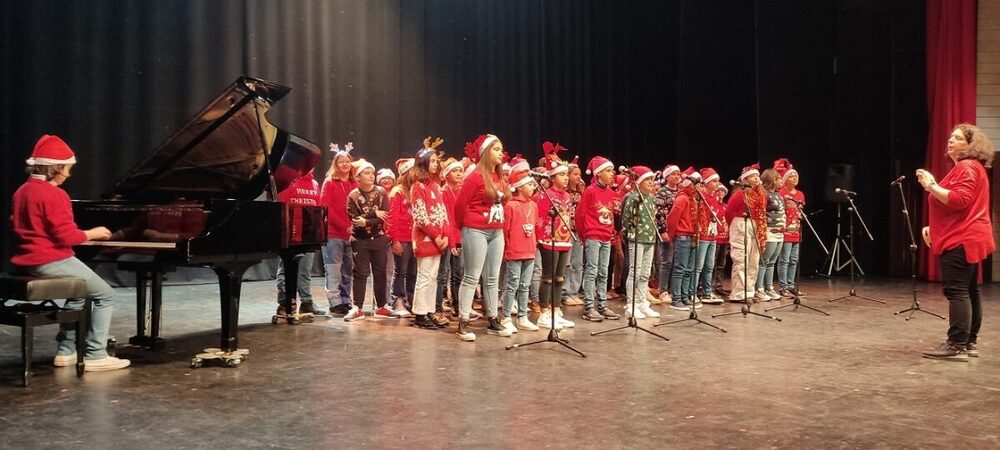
(425, 291)
(740, 250)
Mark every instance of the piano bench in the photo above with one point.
(34, 305)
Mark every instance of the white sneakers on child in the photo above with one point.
(648, 311)
(525, 324)
(92, 365)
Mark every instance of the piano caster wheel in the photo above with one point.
(274, 320)
(294, 321)
(233, 362)
(196, 362)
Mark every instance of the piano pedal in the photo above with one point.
(228, 359)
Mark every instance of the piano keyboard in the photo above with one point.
(132, 244)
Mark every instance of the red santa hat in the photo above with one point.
(784, 168)
(622, 182)
(575, 162)
(690, 176)
(597, 164)
(518, 179)
(468, 170)
(722, 188)
(518, 164)
(383, 174)
(709, 174)
(360, 165)
(404, 165)
(671, 168)
(474, 150)
(753, 169)
(642, 172)
(51, 151)
(452, 164)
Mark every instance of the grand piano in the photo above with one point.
(192, 203)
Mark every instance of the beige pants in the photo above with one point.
(738, 251)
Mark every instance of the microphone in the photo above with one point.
(539, 174)
(845, 192)
(898, 180)
(739, 184)
(794, 200)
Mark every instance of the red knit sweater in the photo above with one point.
(965, 220)
(334, 197)
(43, 225)
(680, 221)
(473, 209)
(543, 228)
(793, 215)
(430, 218)
(520, 217)
(399, 226)
(595, 213)
(454, 233)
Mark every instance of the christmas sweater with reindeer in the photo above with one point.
(430, 218)
(595, 213)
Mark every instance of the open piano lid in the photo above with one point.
(220, 153)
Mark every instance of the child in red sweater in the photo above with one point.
(337, 254)
(520, 215)
(44, 235)
(430, 235)
(595, 225)
(400, 229)
(450, 270)
(302, 192)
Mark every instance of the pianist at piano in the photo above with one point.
(45, 233)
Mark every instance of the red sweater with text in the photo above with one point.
(473, 209)
(595, 213)
(399, 226)
(334, 197)
(430, 218)
(520, 216)
(965, 220)
(42, 224)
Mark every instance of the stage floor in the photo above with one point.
(855, 379)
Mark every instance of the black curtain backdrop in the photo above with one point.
(720, 83)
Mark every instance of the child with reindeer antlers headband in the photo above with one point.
(337, 254)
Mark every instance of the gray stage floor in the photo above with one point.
(852, 380)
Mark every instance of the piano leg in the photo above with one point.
(151, 280)
(141, 284)
(230, 282)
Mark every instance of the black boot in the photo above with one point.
(497, 328)
(423, 321)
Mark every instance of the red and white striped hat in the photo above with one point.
(597, 164)
(51, 151)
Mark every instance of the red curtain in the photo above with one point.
(951, 89)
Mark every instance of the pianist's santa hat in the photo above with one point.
(51, 151)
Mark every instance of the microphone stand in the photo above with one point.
(854, 209)
(796, 297)
(553, 330)
(745, 309)
(915, 306)
(634, 226)
(693, 315)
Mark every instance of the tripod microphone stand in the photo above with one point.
(554, 214)
(915, 306)
(850, 238)
(745, 308)
(634, 226)
(796, 297)
(693, 315)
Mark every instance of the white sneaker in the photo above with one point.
(105, 363)
(467, 337)
(545, 319)
(562, 322)
(712, 299)
(649, 311)
(761, 296)
(475, 315)
(355, 314)
(508, 325)
(774, 295)
(64, 360)
(525, 324)
(401, 313)
(638, 311)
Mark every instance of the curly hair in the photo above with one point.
(980, 147)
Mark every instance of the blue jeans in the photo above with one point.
(339, 271)
(765, 271)
(304, 278)
(574, 273)
(518, 278)
(597, 256)
(482, 254)
(102, 305)
(637, 284)
(788, 264)
(444, 272)
(704, 264)
(536, 276)
(666, 265)
(681, 286)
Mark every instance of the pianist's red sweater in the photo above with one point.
(43, 225)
